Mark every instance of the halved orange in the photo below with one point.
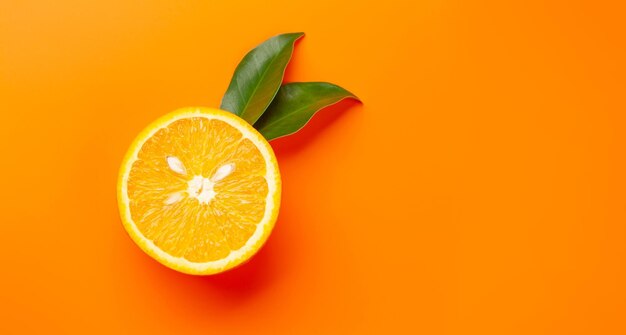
(199, 190)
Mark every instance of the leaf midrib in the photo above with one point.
(258, 84)
(331, 102)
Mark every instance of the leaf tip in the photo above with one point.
(354, 97)
(296, 35)
(349, 94)
(299, 35)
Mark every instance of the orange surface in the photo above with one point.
(479, 190)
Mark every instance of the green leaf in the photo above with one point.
(258, 77)
(294, 106)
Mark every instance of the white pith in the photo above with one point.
(201, 189)
(198, 187)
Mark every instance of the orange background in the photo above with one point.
(480, 188)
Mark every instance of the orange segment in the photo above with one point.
(199, 190)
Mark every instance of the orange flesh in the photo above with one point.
(171, 214)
